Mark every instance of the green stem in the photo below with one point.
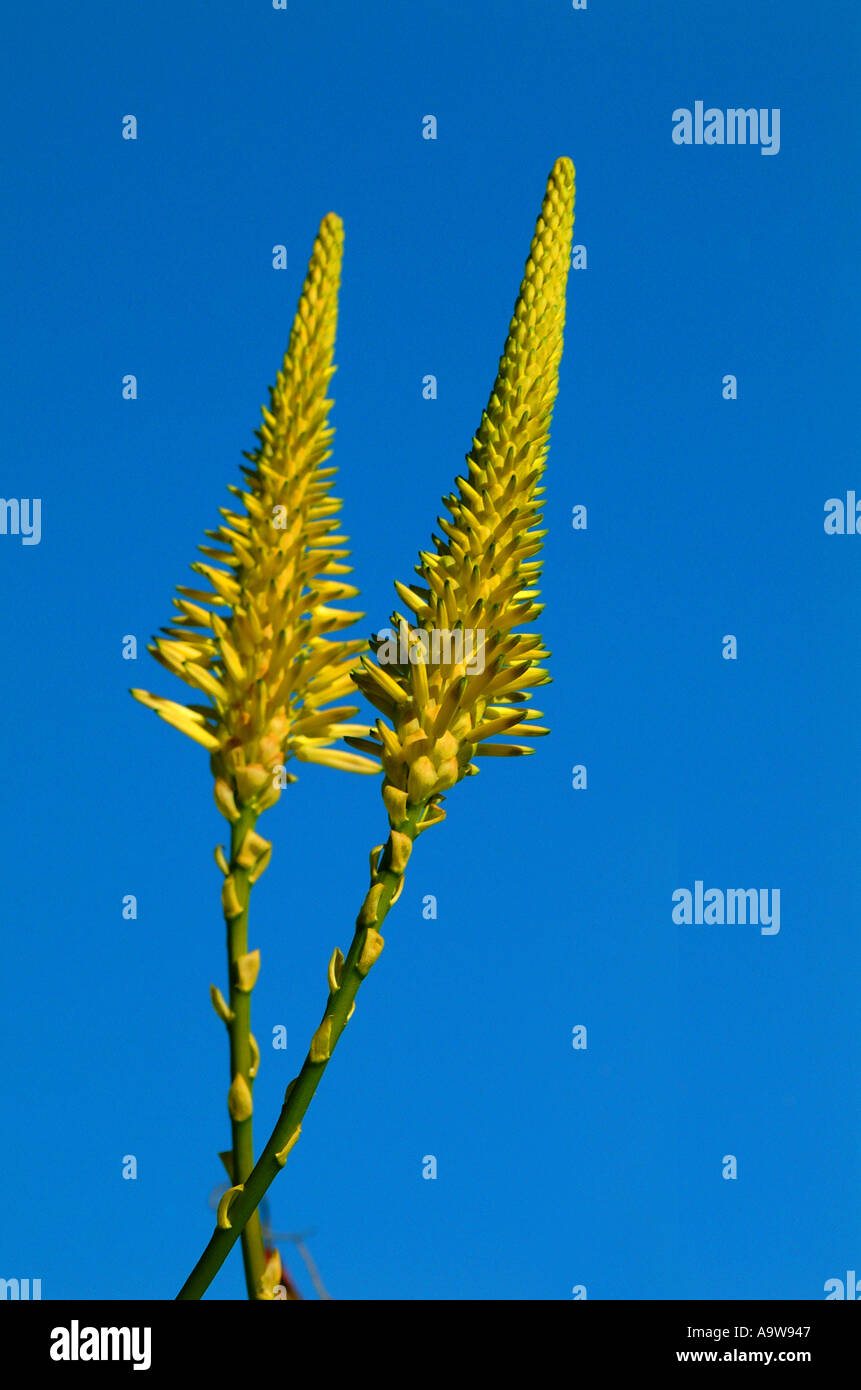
(242, 1062)
(242, 1207)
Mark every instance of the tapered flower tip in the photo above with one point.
(458, 675)
(263, 645)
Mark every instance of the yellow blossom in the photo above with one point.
(260, 644)
(456, 675)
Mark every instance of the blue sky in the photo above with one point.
(556, 1168)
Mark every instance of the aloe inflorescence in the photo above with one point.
(481, 577)
(437, 712)
(259, 643)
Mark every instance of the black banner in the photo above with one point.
(67, 1338)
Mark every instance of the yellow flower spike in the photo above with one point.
(263, 644)
(462, 664)
(479, 584)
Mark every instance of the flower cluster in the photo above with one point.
(437, 715)
(260, 644)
